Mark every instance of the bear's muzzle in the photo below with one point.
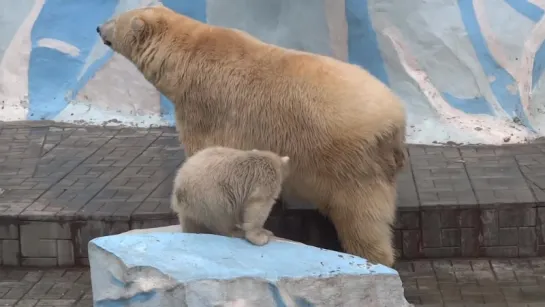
(104, 40)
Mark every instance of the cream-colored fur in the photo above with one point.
(229, 192)
(343, 129)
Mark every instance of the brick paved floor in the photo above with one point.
(45, 288)
(446, 283)
(506, 283)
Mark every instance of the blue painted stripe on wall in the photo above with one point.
(53, 74)
(477, 105)
(90, 72)
(537, 69)
(49, 76)
(362, 39)
(509, 102)
(194, 9)
(167, 110)
(526, 8)
(534, 13)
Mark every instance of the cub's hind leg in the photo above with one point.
(189, 225)
(181, 208)
(254, 216)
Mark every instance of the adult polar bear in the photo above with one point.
(343, 129)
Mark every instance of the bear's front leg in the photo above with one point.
(363, 216)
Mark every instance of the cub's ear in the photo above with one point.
(137, 24)
(285, 159)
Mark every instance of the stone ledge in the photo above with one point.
(445, 232)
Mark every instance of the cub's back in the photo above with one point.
(209, 165)
(229, 167)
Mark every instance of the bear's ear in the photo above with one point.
(285, 159)
(137, 24)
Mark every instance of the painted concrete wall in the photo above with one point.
(468, 71)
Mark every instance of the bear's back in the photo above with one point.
(302, 90)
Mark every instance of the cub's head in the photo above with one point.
(282, 162)
(285, 160)
(132, 31)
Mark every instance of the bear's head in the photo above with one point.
(134, 30)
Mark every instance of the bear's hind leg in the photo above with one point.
(363, 219)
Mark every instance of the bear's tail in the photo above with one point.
(176, 200)
(392, 155)
(401, 156)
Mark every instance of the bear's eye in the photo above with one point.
(133, 40)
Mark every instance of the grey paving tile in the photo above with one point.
(407, 197)
(440, 176)
(495, 176)
(473, 282)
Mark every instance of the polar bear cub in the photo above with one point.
(230, 192)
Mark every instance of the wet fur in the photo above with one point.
(343, 129)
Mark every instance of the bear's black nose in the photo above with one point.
(98, 29)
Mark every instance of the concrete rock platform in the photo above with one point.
(181, 269)
(62, 185)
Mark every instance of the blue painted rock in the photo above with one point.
(180, 269)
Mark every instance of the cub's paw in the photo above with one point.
(251, 227)
(258, 236)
